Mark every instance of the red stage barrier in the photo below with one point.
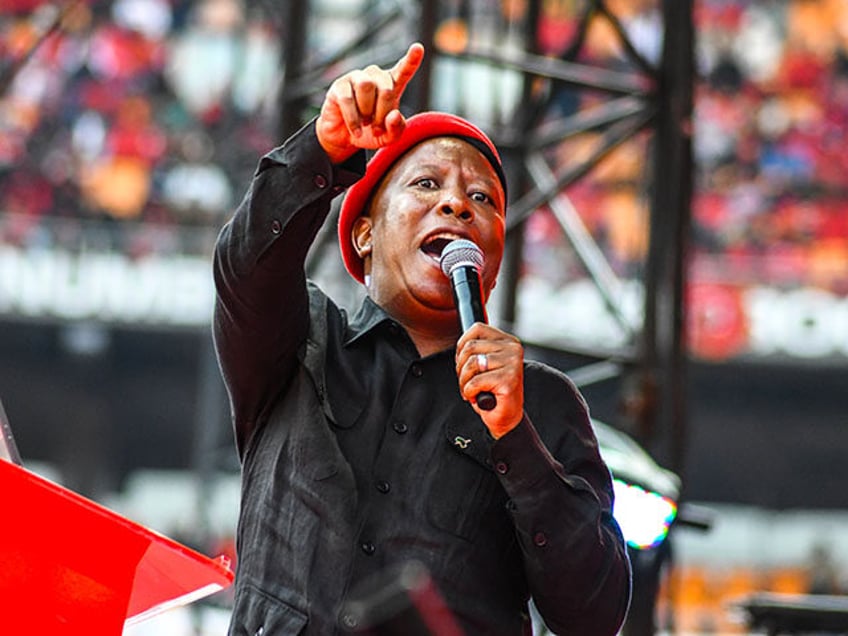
(73, 567)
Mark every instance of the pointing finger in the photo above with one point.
(399, 76)
(406, 67)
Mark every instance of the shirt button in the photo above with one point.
(320, 181)
(276, 226)
(400, 427)
(540, 539)
(383, 486)
(416, 370)
(368, 548)
(502, 468)
(259, 631)
(349, 621)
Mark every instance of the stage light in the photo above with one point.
(644, 516)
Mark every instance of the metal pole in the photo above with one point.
(664, 364)
(210, 430)
(420, 89)
(514, 161)
(294, 29)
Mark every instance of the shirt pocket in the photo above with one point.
(256, 613)
(464, 491)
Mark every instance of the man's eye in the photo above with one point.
(482, 197)
(426, 182)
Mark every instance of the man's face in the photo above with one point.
(441, 190)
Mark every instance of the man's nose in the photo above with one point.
(458, 205)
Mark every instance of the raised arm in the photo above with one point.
(261, 312)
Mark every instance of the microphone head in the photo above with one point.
(460, 253)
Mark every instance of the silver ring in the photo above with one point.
(482, 362)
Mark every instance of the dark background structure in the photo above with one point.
(647, 391)
(687, 195)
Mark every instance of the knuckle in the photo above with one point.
(363, 86)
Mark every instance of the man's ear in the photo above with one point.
(360, 234)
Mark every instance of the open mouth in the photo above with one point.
(434, 245)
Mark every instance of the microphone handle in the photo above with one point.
(468, 297)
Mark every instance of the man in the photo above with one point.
(361, 442)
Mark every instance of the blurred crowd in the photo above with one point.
(132, 110)
(772, 119)
(155, 111)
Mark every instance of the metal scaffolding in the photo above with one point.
(641, 96)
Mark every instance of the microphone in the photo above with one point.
(461, 262)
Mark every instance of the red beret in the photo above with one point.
(420, 127)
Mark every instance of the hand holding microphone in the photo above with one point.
(483, 351)
(461, 261)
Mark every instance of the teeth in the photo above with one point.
(442, 237)
(434, 244)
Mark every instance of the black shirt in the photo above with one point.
(359, 455)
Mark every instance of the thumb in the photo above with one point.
(395, 124)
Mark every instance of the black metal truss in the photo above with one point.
(656, 98)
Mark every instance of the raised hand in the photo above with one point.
(360, 109)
